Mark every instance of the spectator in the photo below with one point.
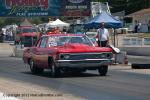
(148, 26)
(57, 30)
(103, 36)
(139, 27)
(136, 27)
(1, 36)
(64, 29)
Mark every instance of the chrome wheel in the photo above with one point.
(31, 65)
(34, 69)
(55, 72)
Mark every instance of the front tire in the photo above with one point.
(34, 69)
(55, 72)
(103, 70)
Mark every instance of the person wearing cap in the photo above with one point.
(103, 36)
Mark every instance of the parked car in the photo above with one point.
(27, 35)
(67, 53)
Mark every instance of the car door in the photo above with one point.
(41, 53)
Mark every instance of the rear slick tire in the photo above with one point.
(34, 69)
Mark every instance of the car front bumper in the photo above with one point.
(83, 63)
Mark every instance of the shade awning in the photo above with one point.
(104, 17)
(59, 23)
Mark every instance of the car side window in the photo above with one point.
(43, 42)
(76, 40)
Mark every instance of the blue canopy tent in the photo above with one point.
(109, 20)
(104, 17)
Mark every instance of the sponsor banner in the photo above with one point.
(76, 8)
(33, 8)
(29, 8)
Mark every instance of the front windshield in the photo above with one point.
(62, 40)
(29, 30)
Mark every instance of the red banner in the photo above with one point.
(26, 3)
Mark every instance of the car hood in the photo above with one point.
(81, 48)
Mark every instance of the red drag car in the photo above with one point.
(67, 53)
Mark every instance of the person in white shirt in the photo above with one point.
(103, 36)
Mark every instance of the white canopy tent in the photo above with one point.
(59, 23)
(48, 24)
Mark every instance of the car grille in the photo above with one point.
(80, 56)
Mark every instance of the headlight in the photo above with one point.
(109, 55)
(64, 56)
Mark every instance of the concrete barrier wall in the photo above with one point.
(134, 45)
(139, 51)
(18, 53)
(6, 49)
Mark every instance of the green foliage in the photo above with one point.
(10, 21)
(1, 22)
(134, 5)
(36, 20)
(129, 6)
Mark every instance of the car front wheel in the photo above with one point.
(55, 72)
(103, 70)
(34, 69)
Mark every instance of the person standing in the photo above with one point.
(148, 26)
(103, 36)
(136, 27)
(139, 27)
(1, 36)
(57, 30)
(64, 30)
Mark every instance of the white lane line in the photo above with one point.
(4, 97)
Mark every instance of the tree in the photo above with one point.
(129, 6)
(115, 5)
(36, 20)
(133, 5)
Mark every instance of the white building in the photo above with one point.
(143, 17)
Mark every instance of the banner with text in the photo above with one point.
(34, 8)
(76, 8)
